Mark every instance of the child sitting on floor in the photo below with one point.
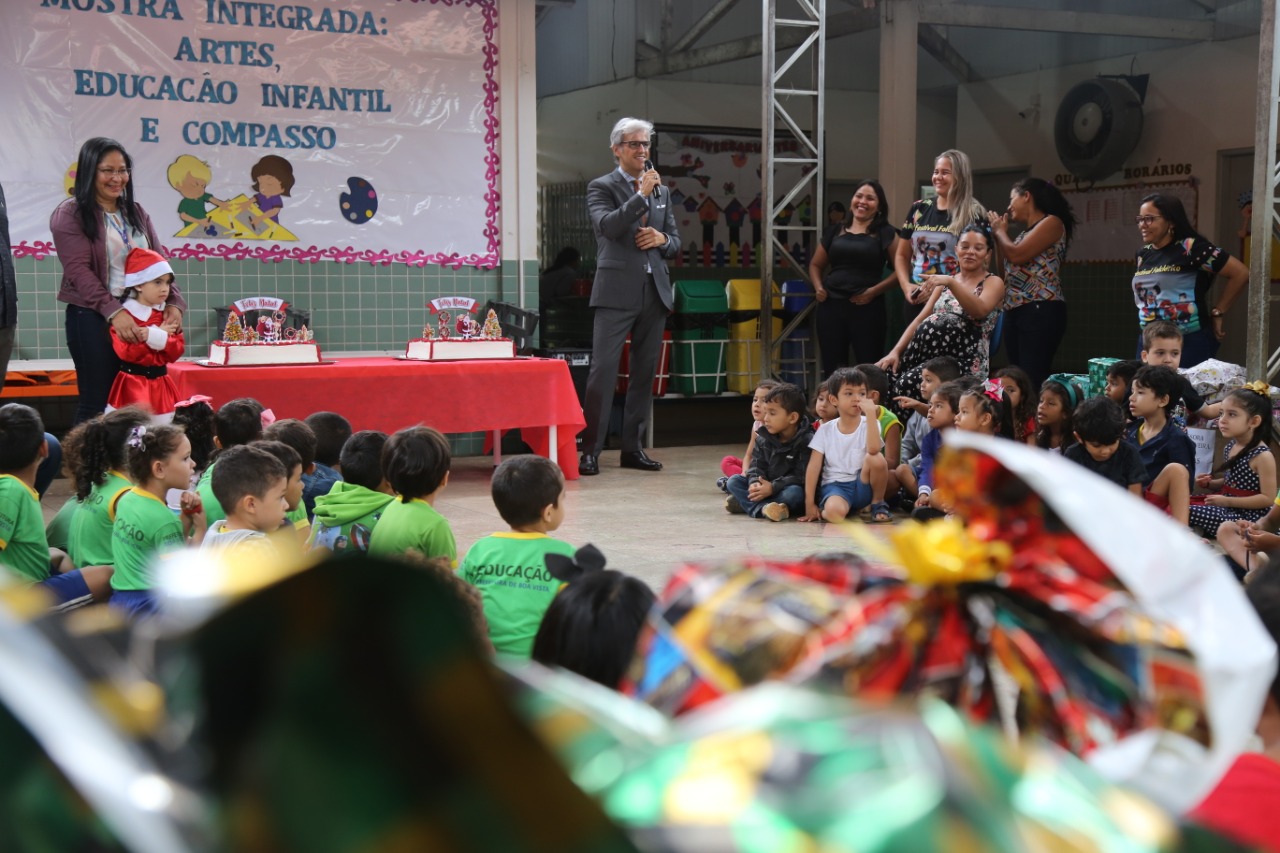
(144, 526)
(731, 465)
(24, 551)
(846, 469)
(510, 568)
(347, 513)
(97, 455)
(144, 375)
(1248, 467)
(1119, 378)
(332, 431)
(299, 436)
(985, 408)
(237, 422)
(890, 425)
(1022, 397)
(773, 487)
(1167, 453)
(416, 462)
(933, 373)
(299, 530)
(1099, 427)
(250, 483)
(944, 405)
(1059, 396)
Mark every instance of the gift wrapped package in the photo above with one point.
(1098, 368)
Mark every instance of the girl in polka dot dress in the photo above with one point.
(1248, 482)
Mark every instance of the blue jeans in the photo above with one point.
(50, 467)
(792, 496)
(89, 340)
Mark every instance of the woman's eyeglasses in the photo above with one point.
(637, 146)
(114, 173)
(1145, 220)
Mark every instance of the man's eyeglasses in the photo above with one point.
(637, 146)
(1145, 220)
(114, 173)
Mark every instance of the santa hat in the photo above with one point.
(140, 267)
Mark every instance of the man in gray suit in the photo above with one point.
(635, 227)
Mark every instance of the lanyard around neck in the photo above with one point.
(119, 229)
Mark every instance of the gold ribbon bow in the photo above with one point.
(940, 553)
(1258, 387)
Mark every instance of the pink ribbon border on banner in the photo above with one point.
(41, 249)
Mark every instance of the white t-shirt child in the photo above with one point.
(842, 455)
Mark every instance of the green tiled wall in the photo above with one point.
(353, 307)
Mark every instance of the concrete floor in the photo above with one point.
(645, 523)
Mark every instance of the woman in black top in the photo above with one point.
(848, 274)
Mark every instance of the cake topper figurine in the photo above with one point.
(492, 330)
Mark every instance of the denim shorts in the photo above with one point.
(855, 493)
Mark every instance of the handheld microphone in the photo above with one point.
(648, 165)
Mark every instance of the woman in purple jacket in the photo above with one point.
(93, 232)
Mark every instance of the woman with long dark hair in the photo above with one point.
(93, 231)
(1035, 317)
(933, 226)
(849, 281)
(960, 314)
(1176, 267)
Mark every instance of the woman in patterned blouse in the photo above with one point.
(1035, 317)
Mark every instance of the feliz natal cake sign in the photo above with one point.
(268, 341)
(461, 339)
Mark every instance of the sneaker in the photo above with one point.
(732, 506)
(722, 483)
(776, 511)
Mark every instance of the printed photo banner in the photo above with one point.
(360, 131)
(714, 179)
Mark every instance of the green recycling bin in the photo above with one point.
(700, 332)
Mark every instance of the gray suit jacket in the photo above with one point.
(616, 208)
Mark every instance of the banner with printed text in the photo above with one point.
(352, 131)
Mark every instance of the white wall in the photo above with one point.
(1200, 101)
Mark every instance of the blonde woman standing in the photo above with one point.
(929, 235)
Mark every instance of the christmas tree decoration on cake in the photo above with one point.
(268, 340)
(461, 339)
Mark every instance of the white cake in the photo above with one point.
(231, 354)
(421, 349)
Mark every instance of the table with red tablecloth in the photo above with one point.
(535, 395)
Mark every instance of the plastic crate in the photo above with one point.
(698, 366)
(517, 323)
(661, 378)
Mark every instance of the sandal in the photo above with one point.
(880, 513)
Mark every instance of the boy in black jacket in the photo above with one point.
(773, 486)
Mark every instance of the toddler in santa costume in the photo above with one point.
(144, 377)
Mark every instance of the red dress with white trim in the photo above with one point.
(143, 378)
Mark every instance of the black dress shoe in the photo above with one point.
(637, 459)
(589, 465)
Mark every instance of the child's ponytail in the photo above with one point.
(992, 399)
(147, 444)
(98, 445)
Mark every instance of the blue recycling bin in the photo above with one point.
(797, 353)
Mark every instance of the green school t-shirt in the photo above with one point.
(89, 542)
(213, 512)
(23, 548)
(144, 527)
(345, 517)
(58, 530)
(510, 570)
(413, 525)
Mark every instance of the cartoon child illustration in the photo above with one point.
(190, 176)
(272, 181)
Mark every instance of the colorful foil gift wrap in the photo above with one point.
(779, 768)
(1052, 603)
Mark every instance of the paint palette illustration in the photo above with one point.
(360, 202)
